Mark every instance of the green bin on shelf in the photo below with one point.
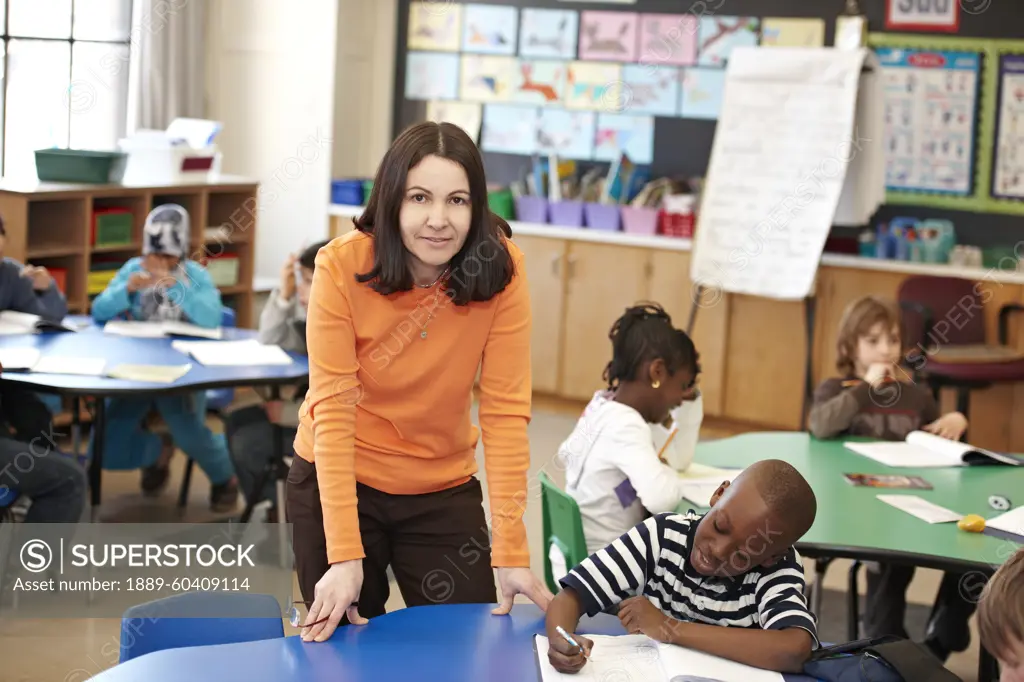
(501, 203)
(367, 188)
(80, 165)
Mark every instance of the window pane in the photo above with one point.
(103, 20)
(99, 95)
(37, 102)
(40, 18)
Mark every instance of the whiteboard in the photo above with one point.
(784, 142)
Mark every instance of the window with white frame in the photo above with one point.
(65, 77)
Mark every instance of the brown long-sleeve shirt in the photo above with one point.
(851, 407)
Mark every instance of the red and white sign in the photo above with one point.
(923, 15)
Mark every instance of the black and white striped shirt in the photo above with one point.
(656, 553)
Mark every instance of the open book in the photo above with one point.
(12, 323)
(32, 360)
(637, 657)
(922, 449)
(159, 330)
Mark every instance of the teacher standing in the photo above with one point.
(403, 313)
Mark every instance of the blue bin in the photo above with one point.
(348, 192)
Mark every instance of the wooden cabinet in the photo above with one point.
(545, 269)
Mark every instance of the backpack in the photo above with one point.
(883, 659)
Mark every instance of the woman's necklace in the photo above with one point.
(437, 299)
(443, 273)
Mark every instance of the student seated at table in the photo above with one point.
(250, 429)
(875, 397)
(728, 583)
(165, 285)
(1001, 617)
(651, 413)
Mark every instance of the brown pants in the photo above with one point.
(437, 544)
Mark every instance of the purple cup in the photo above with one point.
(530, 209)
(603, 217)
(567, 213)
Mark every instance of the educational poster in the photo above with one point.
(930, 102)
(570, 134)
(486, 78)
(608, 36)
(540, 82)
(719, 35)
(489, 29)
(622, 133)
(668, 39)
(510, 129)
(1008, 179)
(778, 32)
(434, 26)
(651, 89)
(702, 93)
(466, 115)
(548, 33)
(431, 75)
(594, 86)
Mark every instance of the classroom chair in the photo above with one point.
(944, 319)
(563, 530)
(197, 619)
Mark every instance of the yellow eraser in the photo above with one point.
(972, 523)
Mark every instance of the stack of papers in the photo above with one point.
(156, 374)
(160, 330)
(232, 353)
(32, 360)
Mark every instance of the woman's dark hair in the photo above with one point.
(483, 267)
(645, 333)
(307, 258)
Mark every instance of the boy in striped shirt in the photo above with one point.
(679, 578)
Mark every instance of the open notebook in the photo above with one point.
(12, 323)
(637, 658)
(922, 449)
(139, 329)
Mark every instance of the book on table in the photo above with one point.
(138, 329)
(926, 450)
(13, 323)
(28, 359)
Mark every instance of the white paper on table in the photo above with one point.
(926, 450)
(688, 665)
(14, 359)
(233, 353)
(135, 329)
(700, 490)
(1009, 522)
(921, 508)
(50, 364)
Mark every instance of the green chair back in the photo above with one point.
(563, 527)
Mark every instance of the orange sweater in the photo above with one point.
(391, 410)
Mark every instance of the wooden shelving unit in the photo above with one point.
(50, 224)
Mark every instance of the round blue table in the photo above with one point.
(91, 342)
(446, 643)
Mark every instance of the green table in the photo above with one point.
(851, 523)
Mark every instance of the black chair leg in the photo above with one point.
(818, 593)
(185, 483)
(853, 604)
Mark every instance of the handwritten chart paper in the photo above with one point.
(1009, 167)
(770, 199)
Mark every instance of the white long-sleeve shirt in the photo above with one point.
(612, 468)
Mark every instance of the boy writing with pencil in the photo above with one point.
(728, 583)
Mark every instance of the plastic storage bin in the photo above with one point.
(111, 227)
(60, 278)
(501, 203)
(605, 217)
(639, 220)
(80, 165)
(531, 209)
(150, 164)
(347, 192)
(566, 213)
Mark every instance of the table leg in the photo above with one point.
(76, 426)
(96, 463)
(852, 604)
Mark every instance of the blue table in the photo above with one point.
(91, 342)
(446, 643)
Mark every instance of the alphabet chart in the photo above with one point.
(931, 100)
(1008, 176)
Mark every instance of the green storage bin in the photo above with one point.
(367, 188)
(1002, 257)
(80, 165)
(113, 228)
(501, 203)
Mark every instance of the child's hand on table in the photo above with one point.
(950, 426)
(566, 658)
(140, 280)
(640, 617)
(39, 275)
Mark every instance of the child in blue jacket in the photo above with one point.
(165, 285)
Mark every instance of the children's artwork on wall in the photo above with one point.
(608, 36)
(778, 32)
(510, 129)
(548, 33)
(570, 134)
(668, 39)
(930, 104)
(651, 89)
(702, 92)
(466, 115)
(487, 78)
(540, 82)
(434, 26)
(719, 35)
(431, 75)
(489, 29)
(1008, 175)
(622, 133)
(594, 86)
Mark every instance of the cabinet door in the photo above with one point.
(545, 268)
(602, 281)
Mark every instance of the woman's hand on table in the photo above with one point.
(336, 595)
(513, 581)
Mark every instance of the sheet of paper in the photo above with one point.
(90, 367)
(233, 353)
(135, 330)
(613, 659)
(782, 32)
(188, 329)
(548, 33)
(12, 323)
(685, 665)
(696, 470)
(1008, 178)
(489, 29)
(157, 374)
(466, 115)
(769, 200)
(569, 134)
(510, 129)
(619, 134)
(921, 508)
(1010, 522)
(13, 359)
(608, 36)
(904, 455)
(431, 75)
(435, 26)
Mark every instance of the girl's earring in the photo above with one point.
(655, 384)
